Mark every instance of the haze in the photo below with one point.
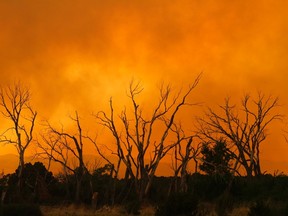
(76, 54)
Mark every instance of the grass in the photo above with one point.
(73, 210)
(239, 211)
(206, 209)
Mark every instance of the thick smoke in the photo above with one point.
(79, 53)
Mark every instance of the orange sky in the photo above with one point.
(76, 54)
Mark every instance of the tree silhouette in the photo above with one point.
(138, 138)
(15, 106)
(58, 145)
(244, 129)
(216, 159)
(183, 153)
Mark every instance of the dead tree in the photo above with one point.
(143, 136)
(184, 152)
(114, 170)
(58, 145)
(244, 129)
(15, 106)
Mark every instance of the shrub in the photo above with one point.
(260, 209)
(133, 207)
(20, 210)
(285, 210)
(178, 204)
(224, 204)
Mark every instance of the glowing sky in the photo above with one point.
(75, 54)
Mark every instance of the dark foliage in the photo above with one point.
(133, 207)
(178, 204)
(65, 189)
(223, 191)
(224, 204)
(206, 187)
(285, 209)
(102, 183)
(86, 187)
(216, 159)
(20, 210)
(261, 187)
(260, 209)
(158, 192)
(38, 184)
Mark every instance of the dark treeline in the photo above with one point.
(222, 192)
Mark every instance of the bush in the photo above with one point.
(224, 204)
(133, 207)
(260, 209)
(20, 210)
(178, 204)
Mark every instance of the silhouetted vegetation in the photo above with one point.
(243, 128)
(224, 143)
(216, 159)
(39, 184)
(260, 209)
(20, 210)
(15, 106)
(178, 204)
(265, 193)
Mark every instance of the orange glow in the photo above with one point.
(76, 55)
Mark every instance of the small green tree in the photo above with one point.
(216, 159)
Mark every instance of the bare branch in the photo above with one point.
(244, 127)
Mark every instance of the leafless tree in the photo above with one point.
(185, 151)
(15, 106)
(143, 136)
(58, 145)
(244, 128)
(114, 170)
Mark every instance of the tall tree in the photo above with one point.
(58, 145)
(143, 136)
(15, 106)
(185, 150)
(244, 129)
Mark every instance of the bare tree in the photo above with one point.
(143, 136)
(114, 170)
(185, 151)
(244, 129)
(59, 145)
(15, 106)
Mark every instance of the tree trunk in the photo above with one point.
(183, 183)
(78, 190)
(20, 174)
(196, 165)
